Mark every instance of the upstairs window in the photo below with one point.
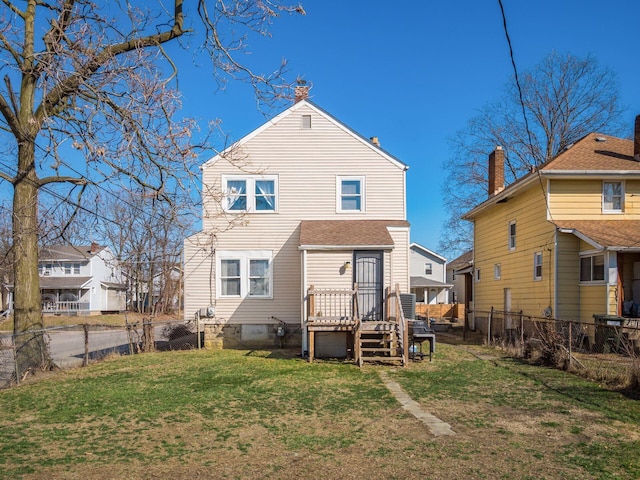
(350, 192)
(72, 269)
(257, 194)
(537, 266)
(592, 268)
(512, 235)
(428, 268)
(306, 121)
(612, 197)
(497, 271)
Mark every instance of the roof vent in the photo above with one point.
(601, 139)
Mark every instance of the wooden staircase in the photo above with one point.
(378, 341)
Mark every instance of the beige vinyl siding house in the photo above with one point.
(563, 240)
(302, 171)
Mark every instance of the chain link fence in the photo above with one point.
(79, 345)
(607, 350)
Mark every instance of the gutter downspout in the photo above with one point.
(303, 277)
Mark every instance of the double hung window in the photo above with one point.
(612, 197)
(252, 193)
(512, 235)
(350, 194)
(537, 266)
(244, 274)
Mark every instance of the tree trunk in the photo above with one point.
(31, 348)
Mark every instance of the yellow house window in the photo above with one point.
(497, 271)
(537, 266)
(512, 235)
(612, 197)
(592, 268)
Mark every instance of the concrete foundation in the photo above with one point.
(229, 335)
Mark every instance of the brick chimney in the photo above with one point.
(636, 140)
(496, 171)
(301, 91)
(94, 247)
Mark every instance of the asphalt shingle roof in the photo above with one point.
(348, 233)
(596, 152)
(607, 233)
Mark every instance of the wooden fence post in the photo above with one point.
(570, 342)
(85, 361)
(489, 326)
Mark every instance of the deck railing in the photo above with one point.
(64, 307)
(332, 305)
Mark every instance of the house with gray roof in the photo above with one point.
(82, 280)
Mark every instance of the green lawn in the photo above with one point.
(254, 414)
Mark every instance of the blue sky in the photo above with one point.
(413, 73)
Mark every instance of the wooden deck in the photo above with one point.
(332, 310)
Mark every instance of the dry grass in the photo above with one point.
(248, 414)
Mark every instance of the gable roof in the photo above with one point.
(295, 107)
(69, 252)
(347, 234)
(594, 155)
(604, 234)
(417, 246)
(463, 261)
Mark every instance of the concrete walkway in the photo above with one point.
(433, 423)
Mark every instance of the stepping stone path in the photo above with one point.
(433, 423)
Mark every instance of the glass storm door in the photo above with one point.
(368, 276)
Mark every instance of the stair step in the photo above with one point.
(376, 350)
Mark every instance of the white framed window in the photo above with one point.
(612, 197)
(244, 273)
(537, 266)
(428, 268)
(477, 274)
(497, 271)
(306, 121)
(592, 268)
(512, 235)
(250, 193)
(72, 268)
(350, 194)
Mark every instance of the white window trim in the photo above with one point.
(244, 256)
(610, 211)
(477, 275)
(251, 195)
(339, 180)
(515, 237)
(430, 266)
(537, 255)
(497, 271)
(304, 125)
(605, 273)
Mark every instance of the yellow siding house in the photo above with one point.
(564, 240)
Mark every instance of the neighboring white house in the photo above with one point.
(301, 202)
(428, 276)
(81, 280)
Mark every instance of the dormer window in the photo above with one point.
(612, 197)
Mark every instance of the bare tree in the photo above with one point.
(147, 241)
(89, 95)
(564, 98)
